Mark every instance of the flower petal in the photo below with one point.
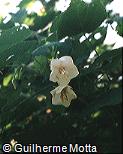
(63, 96)
(66, 59)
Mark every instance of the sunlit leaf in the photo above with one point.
(7, 80)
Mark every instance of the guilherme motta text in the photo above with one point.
(55, 148)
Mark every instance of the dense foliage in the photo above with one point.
(26, 111)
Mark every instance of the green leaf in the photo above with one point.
(41, 22)
(40, 64)
(119, 27)
(112, 97)
(80, 17)
(19, 16)
(81, 51)
(109, 60)
(18, 54)
(50, 49)
(23, 4)
(8, 25)
(42, 50)
(13, 36)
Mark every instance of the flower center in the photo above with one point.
(61, 70)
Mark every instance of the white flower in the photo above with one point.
(63, 70)
(63, 96)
